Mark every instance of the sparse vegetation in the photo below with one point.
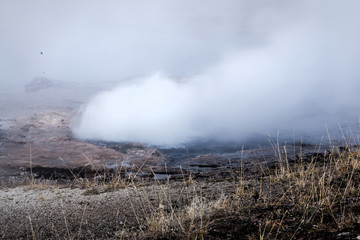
(300, 197)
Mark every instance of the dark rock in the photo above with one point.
(38, 84)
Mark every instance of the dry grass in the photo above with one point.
(309, 196)
(302, 196)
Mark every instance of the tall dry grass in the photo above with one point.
(301, 195)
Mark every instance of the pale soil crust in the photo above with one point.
(206, 204)
(45, 210)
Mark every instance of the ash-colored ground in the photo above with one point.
(44, 211)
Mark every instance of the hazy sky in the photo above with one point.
(200, 69)
(96, 40)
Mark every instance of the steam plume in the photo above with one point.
(305, 76)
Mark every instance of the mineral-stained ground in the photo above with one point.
(54, 186)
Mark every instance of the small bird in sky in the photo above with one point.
(41, 53)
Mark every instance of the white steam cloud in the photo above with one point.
(215, 69)
(306, 74)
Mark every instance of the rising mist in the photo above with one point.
(191, 70)
(304, 74)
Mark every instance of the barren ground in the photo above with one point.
(56, 187)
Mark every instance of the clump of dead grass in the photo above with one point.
(302, 196)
